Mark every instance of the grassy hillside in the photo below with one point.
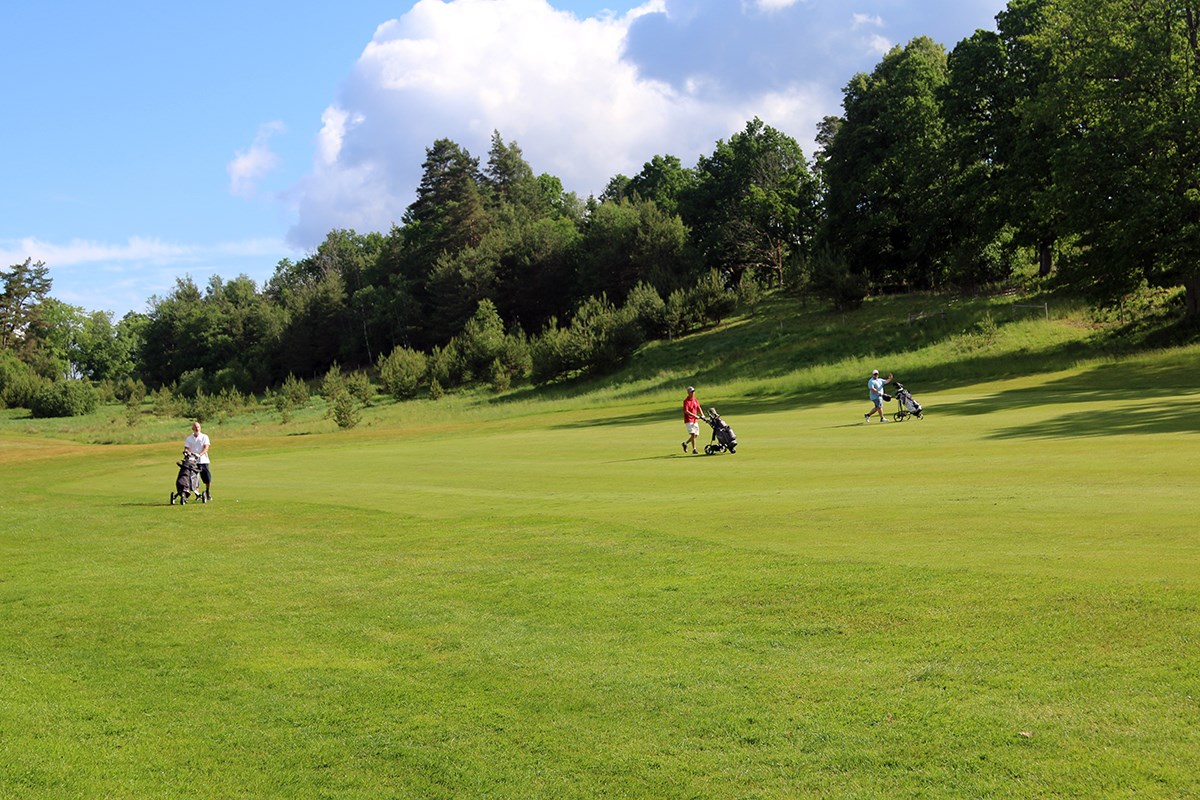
(538, 595)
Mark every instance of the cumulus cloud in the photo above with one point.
(249, 165)
(585, 98)
(556, 84)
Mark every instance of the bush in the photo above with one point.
(129, 390)
(18, 382)
(358, 384)
(444, 364)
(481, 342)
(64, 399)
(551, 354)
(750, 290)
(402, 372)
(203, 407)
(600, 339)
(677, 314)
(191, 383)
(710, 300)
(515, 356)
(833, 280)
(649, 310)
(294, 391)
(133, 413)
(164, 403)
(344, 409)
(333, 383)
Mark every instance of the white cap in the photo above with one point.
(874, 372)
(691, 388)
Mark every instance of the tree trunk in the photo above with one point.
(1045, 255)
(1191, 287)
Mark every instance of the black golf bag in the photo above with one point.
(909, 407)
(723, 437)
(187, 482)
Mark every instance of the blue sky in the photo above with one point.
(145, 141)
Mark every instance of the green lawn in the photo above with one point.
(539, 595)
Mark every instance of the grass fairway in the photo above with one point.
(545, 598)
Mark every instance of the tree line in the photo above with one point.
(1064, 143)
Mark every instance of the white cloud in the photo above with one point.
(121, 276)
(863, 20)
(587, 98)
(249, 165)
(774, 5)
(879, 44)
(556, 84)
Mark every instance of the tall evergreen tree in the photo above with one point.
(24, 286)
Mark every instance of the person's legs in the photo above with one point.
(206, 477)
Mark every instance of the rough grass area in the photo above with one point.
(538, 595)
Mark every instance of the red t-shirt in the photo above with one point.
(691, 409)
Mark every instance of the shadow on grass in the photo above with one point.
(1145, 419)
(780, 339)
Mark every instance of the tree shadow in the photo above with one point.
(774, 342)
(1166, 388)
(1145, 419)
(1118, 382)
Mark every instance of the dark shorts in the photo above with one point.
(205, 475)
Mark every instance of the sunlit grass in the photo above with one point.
(536, 595)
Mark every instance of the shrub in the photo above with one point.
(552, 354)
(515, 356)
(295, 391)
(191, 383)
(833, 280)
(402, 372)
(710, 300)
(164, 403)
(344, 409)
(333, 383)
(203, 407)
(648, 309)
(358, 384)
(133, 413)
(444, 364)
(129, 390)
(749, 290)
(677, 314)
(481, 341)
(18, 382)
(64, 399)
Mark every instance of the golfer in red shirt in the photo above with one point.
(692, 412)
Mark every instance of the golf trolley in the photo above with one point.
(187, 482)
(908, 406)
(723, 438)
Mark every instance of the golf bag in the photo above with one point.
(723, 437)
(187, 482)
(909, 407)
